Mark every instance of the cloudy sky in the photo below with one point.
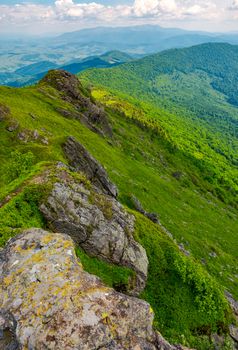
(49, 16)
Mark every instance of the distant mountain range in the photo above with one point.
(143, 39)
(25, 61)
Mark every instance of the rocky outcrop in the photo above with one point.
(72, 91)
(80, 159)
(57, 305)
(137, 205)
(97, 222)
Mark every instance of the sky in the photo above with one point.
(37, 17)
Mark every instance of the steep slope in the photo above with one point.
(188, 303)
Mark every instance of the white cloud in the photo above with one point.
(234, 5)
(154, 7)
(93, 12)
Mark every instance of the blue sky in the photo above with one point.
(57, 16)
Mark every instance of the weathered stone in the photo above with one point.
(97, 222)
(58, 305)
(80, 159)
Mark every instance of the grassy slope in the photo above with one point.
(140, 162)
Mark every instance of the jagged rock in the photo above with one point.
(152, 216)
(234, 306)
(80, 159)
(97, 222)
(4, 112)
(58, 305)
(73, 92)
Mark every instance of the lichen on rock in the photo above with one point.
(57, 305)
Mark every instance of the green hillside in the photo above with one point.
(142, 159)
(192, 93)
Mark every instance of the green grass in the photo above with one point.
(112, 275)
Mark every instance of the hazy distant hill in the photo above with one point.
(30, 74)
(142, 39)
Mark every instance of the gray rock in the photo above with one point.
(80, 159)
(58, 305)
(97, 222)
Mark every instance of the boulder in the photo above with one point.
(97, 222)
(80, 159)
(57, 305)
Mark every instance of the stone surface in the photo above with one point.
(57, 305)
(80, 159)
(97, 222)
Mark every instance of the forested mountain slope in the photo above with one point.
(192, 93)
